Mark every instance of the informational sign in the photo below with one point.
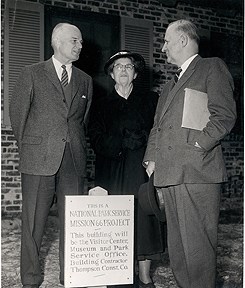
(99, 240)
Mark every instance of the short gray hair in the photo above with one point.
(187, 27)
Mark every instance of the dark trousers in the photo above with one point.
(149, 235)
(192, 212)
(37, 195)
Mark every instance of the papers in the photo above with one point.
(195, 110)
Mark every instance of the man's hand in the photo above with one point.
(150, 168)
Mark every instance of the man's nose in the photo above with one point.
(164, 48)
(79, 45)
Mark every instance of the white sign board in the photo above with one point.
(99, 240)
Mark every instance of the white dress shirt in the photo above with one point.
(185, 65)
(59, 69)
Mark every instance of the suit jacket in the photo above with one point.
(172, 147)
(41, 118)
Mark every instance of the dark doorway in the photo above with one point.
(101, 35)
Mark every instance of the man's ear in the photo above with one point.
(58, 40)
(184, 39)
(135, 75)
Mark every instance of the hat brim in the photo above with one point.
(124, 54)
(147, 198)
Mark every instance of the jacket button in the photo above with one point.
(158, 129)
(63, 139)
(169, 147)
(170, 127)
(64, 100)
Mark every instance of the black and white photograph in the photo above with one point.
(122, 143)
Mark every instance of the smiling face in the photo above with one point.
(172, 45)
(125, 75)
(67, 44)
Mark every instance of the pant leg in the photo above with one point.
(68, 183)
(37, 196)
(149, 235)
(192, 212)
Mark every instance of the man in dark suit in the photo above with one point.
(49, 113)
(188, 163)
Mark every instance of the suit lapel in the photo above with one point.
(173, 89)
(52, 75)
(76, 82)
(77, 90)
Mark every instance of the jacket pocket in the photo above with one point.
(83, 100)
(192, 136)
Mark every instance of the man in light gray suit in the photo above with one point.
(187, 161)
(49, 113)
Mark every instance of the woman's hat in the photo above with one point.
(124, 54)
(147, 197)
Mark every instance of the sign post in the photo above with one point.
(99, 240)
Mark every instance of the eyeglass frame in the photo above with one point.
(128, 67)
(139, 66)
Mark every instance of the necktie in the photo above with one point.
(64, 76)
(176, 76)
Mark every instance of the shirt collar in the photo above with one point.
(59, 69)
(185, 65)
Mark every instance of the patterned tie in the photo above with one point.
(176, 76)
(64, 76)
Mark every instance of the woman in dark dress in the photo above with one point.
(119, 127)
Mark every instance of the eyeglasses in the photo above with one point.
(120, 67)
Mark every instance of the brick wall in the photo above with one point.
(232, 192)
(207, 19)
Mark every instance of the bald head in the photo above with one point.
(66, 42)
